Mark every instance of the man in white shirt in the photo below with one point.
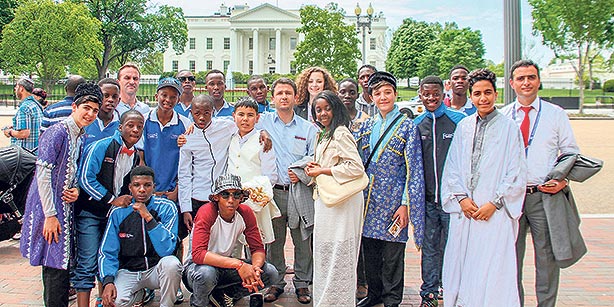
(129, 78)
(547, 133)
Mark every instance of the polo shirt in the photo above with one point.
(97, 131)
(161, 150)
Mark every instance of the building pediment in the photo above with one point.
(265, 13)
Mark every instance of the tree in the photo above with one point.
(572, 28)
(132, 29)
(453, 46)
(49, 39)
(7, 12)
(329, 42)
(409, 43)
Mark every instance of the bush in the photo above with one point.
(608, 86)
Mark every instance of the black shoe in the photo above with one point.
(430, 300)
(179, 298)
(256, 300)
(272, 294)
(368, 302)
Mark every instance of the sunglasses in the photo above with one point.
(190, 78)
(235, 195)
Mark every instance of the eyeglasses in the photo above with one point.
(190, 78)
(235, 195)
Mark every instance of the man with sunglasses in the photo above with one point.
(211, 273)
(188, 82)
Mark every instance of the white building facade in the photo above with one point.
(257, 41)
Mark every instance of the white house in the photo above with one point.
(255, 41)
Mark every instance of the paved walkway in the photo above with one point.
(588, 283)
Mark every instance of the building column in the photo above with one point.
(278, 51)
(234, 50)
(256, 56)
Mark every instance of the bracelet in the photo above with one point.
(240, 265)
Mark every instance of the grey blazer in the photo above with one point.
(300, 199)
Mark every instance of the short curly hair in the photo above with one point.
(480, 75)
(302, 82)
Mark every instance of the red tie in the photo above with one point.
(524, 126)
(127, 151)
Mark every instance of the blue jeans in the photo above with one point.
(201, 279)
(436, 224)
(90, 229)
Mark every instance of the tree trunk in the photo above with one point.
(106, 55)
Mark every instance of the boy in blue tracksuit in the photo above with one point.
(138, 245)
(436, 128)
(103, 178)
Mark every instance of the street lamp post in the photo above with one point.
(363, 22)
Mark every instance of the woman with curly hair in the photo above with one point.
(311, 82)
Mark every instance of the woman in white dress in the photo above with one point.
(337, 228)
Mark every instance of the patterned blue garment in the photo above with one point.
(396, 178)
(29, 116)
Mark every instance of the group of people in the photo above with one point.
(119, 187)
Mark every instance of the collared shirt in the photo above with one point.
(266, 107)
(140, 106)
(123, 165)
(161, 150)
(226, 110)
(183, 109)
(291, 141)
(365, 106)
(553, 137)
(97, 130)
(202, 159)
(29, 116)
(57, 112)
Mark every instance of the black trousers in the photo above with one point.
(56, 284)
(384, 268)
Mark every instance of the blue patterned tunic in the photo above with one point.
(396, 177)
(59, 150)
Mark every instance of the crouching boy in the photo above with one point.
(137, 247)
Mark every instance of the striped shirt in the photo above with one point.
(57, 112)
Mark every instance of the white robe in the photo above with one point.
(480, 260)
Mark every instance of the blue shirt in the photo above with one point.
(183, 110)
(28, 116)
(97, 131)
(57, 112)
(226, 110)
(161, 150)
(291, 141)
(266, 107)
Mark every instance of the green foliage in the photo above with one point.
(328, 42)
(7, 12)
(409, 47)
(131, 29)
(572, 28)
(50, 39)
(498, 69)
(608, 86)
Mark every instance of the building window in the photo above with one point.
(372, 43)
(209, 43)
(226, 43)
(292, 43)
(251, 67)
(250, 43)
(192, 43)
(226, 64)
(192, 65)
(175, 66)
(272, 43)
(209, 65)
(272, 70)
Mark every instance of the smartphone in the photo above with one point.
(394, 228)
(256, 300)
(549, 185)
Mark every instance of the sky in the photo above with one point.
(483, 15)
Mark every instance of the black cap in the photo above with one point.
(379, 76)
(89, 89)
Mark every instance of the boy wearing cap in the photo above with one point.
(396, 192)
(51, 194)
(138, 245)
(163, 125)
(212, 274)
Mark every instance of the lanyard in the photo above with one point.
(526, 149)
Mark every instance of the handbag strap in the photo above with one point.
(381, 138)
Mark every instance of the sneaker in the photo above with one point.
(220, 299)
(147, 295)
(179, 298)
(17, 237)
(430, 300)
(72, 294)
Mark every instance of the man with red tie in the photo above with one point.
(547, 133)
